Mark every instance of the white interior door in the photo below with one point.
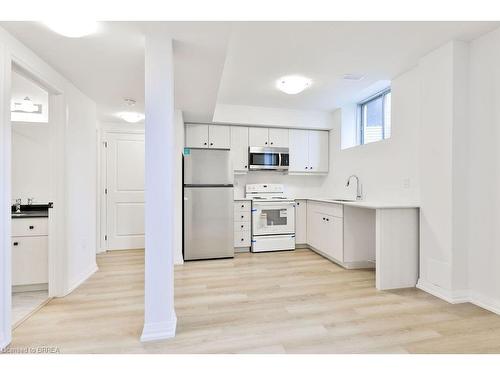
(125, 191)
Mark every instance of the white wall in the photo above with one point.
(388, 170)
(269, 116)
(484, 172)
(178, 186)
(31, 162)
(78, 177)
(296, 186)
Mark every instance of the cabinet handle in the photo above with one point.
(15, 243)
(324, 219)
(204, 144)
(211, 144)
(298, 203)
(32, 227)
(246, 167)
(242, 216)
(242, 226)
(272, 143)
(310, 167)
(327, 219)
(242, 206)
(242, 239)
(266, 143)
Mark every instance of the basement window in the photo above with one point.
(375, 118)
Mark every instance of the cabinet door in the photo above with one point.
(301, 222)
(278, 137)
(196, 136)
(239, 148)
(315, 228)
(299, 151)
(318, 151)
(30, 260)
(258, 137)
(334, 237)
(219, 136)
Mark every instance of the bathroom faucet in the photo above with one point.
(358, 186)
(18, 205)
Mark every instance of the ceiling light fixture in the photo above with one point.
(26, 106)
(131, 116)
(72, 28)
(293, 84)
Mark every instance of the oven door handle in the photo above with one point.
(279, 159)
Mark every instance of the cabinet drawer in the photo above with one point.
(30, 227)
(242, 216)
(242, 226)
(30, 260)
(332, 209)
(242, 206)
(242, 239)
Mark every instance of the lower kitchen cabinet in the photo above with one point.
(325, 228)
(30, 261)
(242, 223)
(300, 222)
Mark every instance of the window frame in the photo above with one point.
(361, 104)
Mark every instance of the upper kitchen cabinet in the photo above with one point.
(208, 136)
(268, 137)
(278, 137)
(239, 148)
(308, 151)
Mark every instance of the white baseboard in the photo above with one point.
(81, 279)
(460, 296)
(485, 302)
(159, 331)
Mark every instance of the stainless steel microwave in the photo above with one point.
(268, 158)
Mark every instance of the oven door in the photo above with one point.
(273, 218)
(270, 158)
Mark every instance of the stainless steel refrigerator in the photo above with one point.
(208, 204)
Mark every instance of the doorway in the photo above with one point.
(122, 176)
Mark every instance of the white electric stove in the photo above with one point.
(273, 218)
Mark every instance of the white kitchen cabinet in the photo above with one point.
(207, 136)
(278, 137)
(325, 229)
(268, 137)
(196, 136)
(242, 225)
(239, 148)
(301, 222)
(30, 265)
(258, 137)
(299, 150)
(219, 136)
(308, 151)
(318, 151)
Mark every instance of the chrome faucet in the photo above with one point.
(18, 205)
(30, 201)
(359, 195)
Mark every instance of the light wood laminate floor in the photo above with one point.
(285, 302)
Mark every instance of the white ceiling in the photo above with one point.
(238, 63)
(259, 53)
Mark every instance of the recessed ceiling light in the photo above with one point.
(353, 77)
(72, 28)
(293, 84)
(131, 116)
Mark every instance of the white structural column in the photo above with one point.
(159, 315)
(5, 221)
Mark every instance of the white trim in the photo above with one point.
(159, 331)
(485, 302)
(5, 201)
(82, 278)
(458, 296)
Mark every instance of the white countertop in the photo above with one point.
(242, 199)
(365, 204)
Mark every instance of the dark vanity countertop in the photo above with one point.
(32, 210)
